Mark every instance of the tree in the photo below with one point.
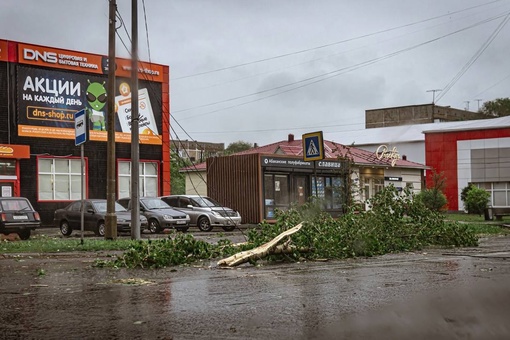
(434, 198)
(177, 179)
(496, 108)
(237, 147)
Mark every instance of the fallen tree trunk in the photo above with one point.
(261, 251)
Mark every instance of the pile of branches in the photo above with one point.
(395, 222)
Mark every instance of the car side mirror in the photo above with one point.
(90, 211)
(189, 206)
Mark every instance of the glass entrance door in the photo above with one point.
(299, 190)
(276, 193)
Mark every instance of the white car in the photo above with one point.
(204, 212)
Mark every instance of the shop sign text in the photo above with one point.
(384, 152)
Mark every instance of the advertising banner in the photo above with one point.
(63, 59)
(146, 71)
(84, 62)
(48, 99)
(14, 151)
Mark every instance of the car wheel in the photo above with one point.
(154, 226)
(65, 229)
(100, 230)
(182, 229)
(204, 224)
(24, 234)
(229, 227)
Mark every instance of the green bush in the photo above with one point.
(476, 200)
(433, 199)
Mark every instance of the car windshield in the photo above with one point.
(119, 207)
(101, 206)
(204, 201)
(154, 203)
(14, 205)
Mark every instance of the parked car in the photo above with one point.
(18, 216)
(159, 214)
(69, 218)
(204, 212)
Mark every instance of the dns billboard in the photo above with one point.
(54, 84)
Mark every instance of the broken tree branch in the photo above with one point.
(261, 251)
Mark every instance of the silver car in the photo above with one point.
(159, 214)
(204, 212)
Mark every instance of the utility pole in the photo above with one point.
(135, 127)
(111, 217)
(467, 105)
(434, 102)
(478, 100)
(434, 94)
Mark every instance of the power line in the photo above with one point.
(285, 129)
(321, 77)
(492, 86)
(334, 43)
(173, 117)
(475, 57)
(152, 90)
(342, 70)
(308, 61)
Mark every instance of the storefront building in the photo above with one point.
(40, 90)
(259, 181)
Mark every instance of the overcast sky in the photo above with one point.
(257, 70)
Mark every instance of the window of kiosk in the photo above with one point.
(329, 190)
(276, 194)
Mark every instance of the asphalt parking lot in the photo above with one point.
(237, 235)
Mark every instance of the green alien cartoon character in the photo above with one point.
(96, 98)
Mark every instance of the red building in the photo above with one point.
(476, 152)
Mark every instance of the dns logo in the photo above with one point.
(49, 57)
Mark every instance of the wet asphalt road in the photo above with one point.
(433, 294)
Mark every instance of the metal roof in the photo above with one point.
(415, 132)
(332, 150)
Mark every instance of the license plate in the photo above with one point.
(181, 222)
(20, 217)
